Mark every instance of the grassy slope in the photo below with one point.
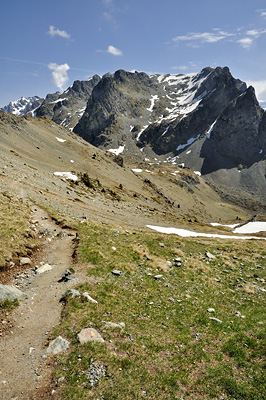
(17, 238)
(170, 348)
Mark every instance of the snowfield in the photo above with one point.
(66, 175)
(187, 233)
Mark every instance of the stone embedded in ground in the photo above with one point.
(237, 313)
(9, 292)
(89, 335)
(171, 299)
(44, 268)
(67, 276)
(215, 320)
(57, 346)
(116, 272)
(177, 262)
(71, 293)
(158, 277)
(211, 310)
(120, 325)
(25, 261)
(210, 255)
(91, 300)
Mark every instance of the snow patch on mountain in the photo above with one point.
(189, 142)
(22, 105)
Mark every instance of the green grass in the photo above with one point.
(15, 235)
(8, 305)
(169, 349)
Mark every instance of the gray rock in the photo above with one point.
(25, 261)
(178, 262)
(67, 276)
(158, 277)
(215, 320)
(9, 292)
(89, 335)
(210, 255)
(44, 268)
(120, 325)
(57, 346)
(71, 292)
(45, 232)
(116, 272)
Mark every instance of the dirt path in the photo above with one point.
(23, 369)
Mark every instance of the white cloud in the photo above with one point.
(245, 39)
(113, 50)
(256, 32)
(245, 42)
(262, 13)
(260, 89)
(204, 37)
(56, 32)
(59, 74)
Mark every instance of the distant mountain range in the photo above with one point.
(207, 121)
(23, 105)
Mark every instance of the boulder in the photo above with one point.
(44, 268)
(71, 293)
(9, 292)
(89, 335)
(57, 346)
(25, 261)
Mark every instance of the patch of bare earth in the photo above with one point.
(24, 370)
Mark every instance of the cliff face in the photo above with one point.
(239, 132)
(207, 121)
(67, 108)
(118, 101)
(168, 113)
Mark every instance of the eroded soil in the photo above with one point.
(23, 368)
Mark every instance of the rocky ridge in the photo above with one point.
(209, 122)
(68, 107)
(23, 105)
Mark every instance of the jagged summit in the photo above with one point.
(22, 105)
(68, 107)
(207, 121)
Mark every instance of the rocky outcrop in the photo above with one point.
(239, 133)
(67, 108)
(165, 113)
(207, 121)
(212, 90)
(117, 101)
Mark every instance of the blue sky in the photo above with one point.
(47, 45)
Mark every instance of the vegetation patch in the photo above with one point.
(190, 330)
(15, 233)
